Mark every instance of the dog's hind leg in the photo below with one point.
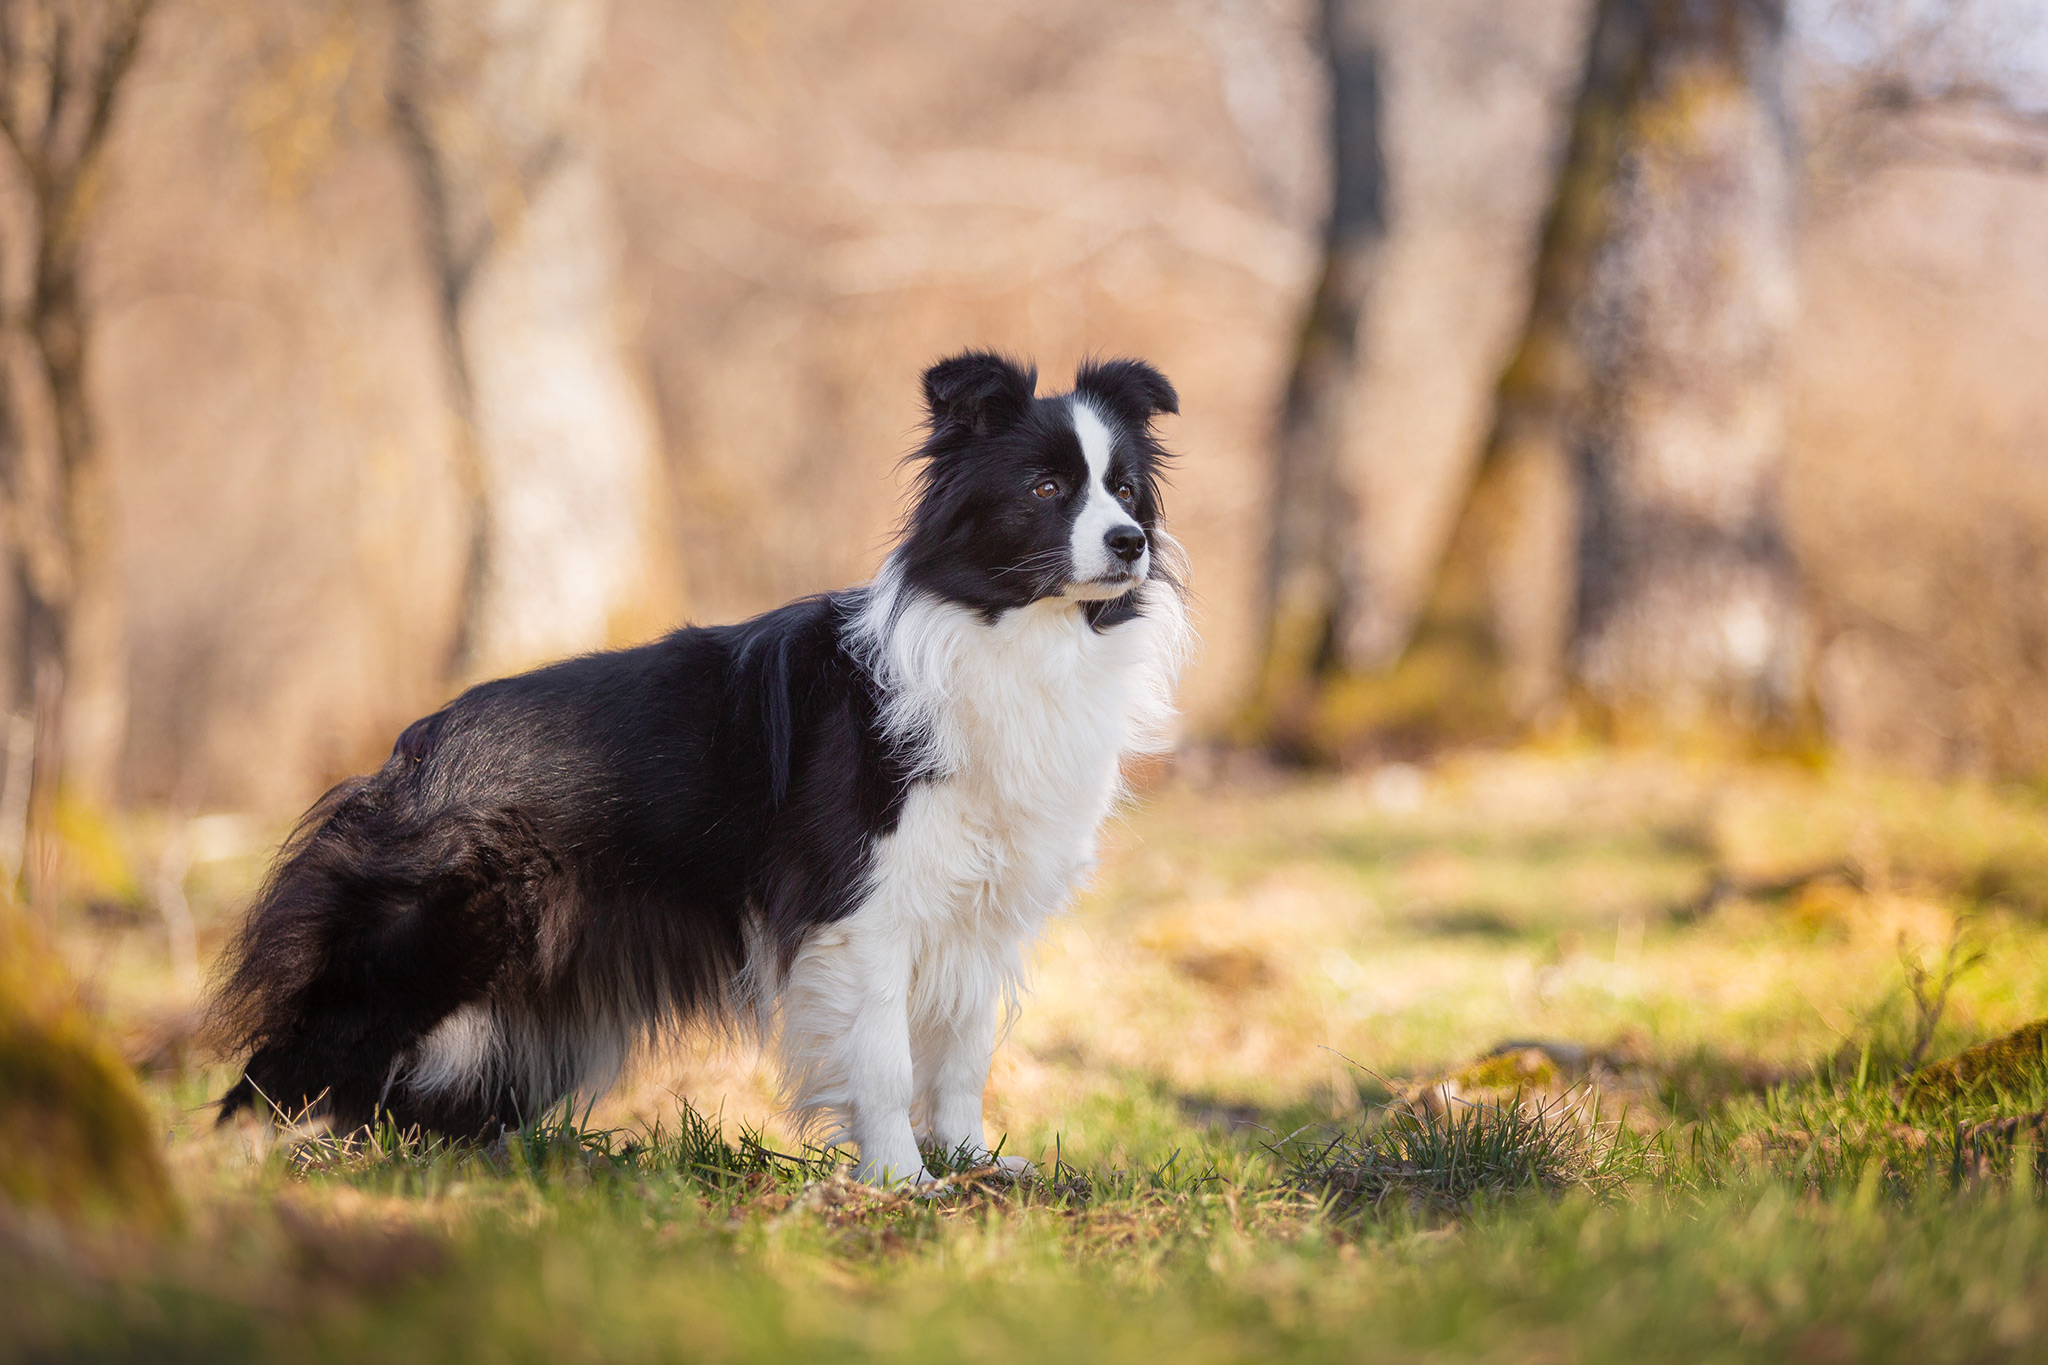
(506, 1060)
(380, 992)
(345, 967)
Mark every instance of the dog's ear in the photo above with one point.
(1131, 389)
(978, 390)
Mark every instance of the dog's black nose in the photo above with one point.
(1126, 543)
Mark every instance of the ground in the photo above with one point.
(1567, 1055)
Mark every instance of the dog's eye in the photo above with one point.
(1049, 489)
(1124, 492)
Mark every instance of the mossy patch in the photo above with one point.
(75, 1137)
(1557, 1078)
(2015, 1064)
(1528, 1067)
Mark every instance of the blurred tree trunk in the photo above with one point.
(1310, 573)
(1622, 541)
(554, 436)
(62, 64)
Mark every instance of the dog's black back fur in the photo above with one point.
(682, 785)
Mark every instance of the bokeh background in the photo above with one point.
(358, 349)
(1613, 460)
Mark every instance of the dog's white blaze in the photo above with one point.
(1100, 514)
(888, 1017)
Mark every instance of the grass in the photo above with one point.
(1265, 1079)
(1445, 1164)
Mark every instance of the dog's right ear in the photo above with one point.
(979, 391)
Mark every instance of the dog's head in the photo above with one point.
(1022, 498)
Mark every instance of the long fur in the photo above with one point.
(838, 823)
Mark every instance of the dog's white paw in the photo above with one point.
(1015, 1167)
(921, 1182)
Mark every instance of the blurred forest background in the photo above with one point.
(1545, 363)
(1669, 372)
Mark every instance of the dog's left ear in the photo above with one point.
(1130, 389)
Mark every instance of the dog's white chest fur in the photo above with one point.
(1019, 726)
(1024, 735)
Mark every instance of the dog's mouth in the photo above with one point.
(1103, 586)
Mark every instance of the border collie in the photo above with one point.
(837, 824)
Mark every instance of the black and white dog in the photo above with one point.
(838, 823)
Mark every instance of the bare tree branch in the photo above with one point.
(59, 67)
(1967, 124)
(119, 56)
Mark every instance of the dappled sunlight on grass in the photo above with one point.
(1260, 944)
(1528, 1055)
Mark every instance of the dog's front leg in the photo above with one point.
(845, 1042)
(952, 1037)
(951, 1042)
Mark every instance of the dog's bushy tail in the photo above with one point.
(379, 918)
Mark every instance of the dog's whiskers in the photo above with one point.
(1044, 559)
